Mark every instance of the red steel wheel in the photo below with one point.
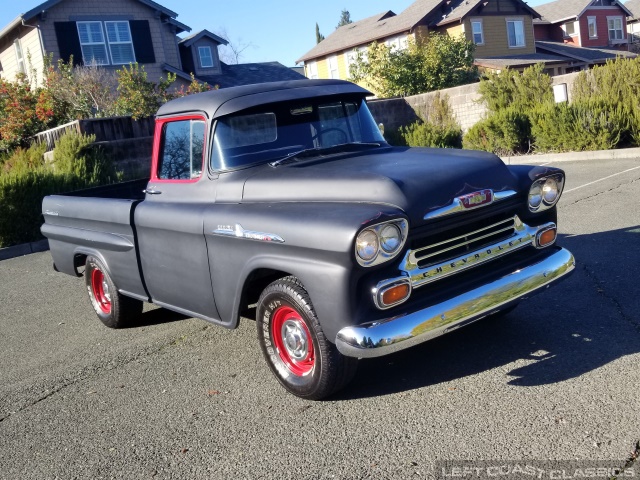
(100, 289)
(294, 345)
(293, 341)
(114, 309)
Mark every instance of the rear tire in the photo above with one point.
(294, 345)
(113, 309)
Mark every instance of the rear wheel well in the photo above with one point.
(79, 261)
(253, 287)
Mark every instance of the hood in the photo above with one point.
(413, 179)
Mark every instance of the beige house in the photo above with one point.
(114, 33)
(501, 29)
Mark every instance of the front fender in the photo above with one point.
(315, 243)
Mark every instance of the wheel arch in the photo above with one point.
(325, 282)
(254, 284)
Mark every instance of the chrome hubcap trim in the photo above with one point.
(295, 340)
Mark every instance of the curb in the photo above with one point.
(24, 249)
(620, 154)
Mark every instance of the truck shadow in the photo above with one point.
(579, 325)
(157, 316)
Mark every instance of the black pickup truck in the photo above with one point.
(282, 202)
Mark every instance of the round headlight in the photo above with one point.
(535, 196)
(367, 245)
(550, 191)
(390, 238)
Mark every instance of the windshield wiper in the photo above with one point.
(293, 155)
(310, 152)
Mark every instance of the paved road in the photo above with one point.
(175, 398)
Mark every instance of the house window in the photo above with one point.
(615, 28)
(19, 56)
(94, 49)
(120, 43)
(333, 67)
(593, 27)
(515, 33)
(312, 70)
(570, 29)
(476, 30)
(206, 57)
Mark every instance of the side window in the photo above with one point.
(181, 153)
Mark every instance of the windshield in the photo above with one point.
(275, 131)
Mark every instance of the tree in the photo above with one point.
(233, 51)
(138, 96)
(86, 91)
(19, 114)
(434, 62)
(319, 36)
(345, 18)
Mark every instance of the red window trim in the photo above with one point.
(157, 138)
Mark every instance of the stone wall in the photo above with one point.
(464, 100)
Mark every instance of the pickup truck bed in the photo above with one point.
(98, 222)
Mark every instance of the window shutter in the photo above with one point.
(68, 41)
(142, 42)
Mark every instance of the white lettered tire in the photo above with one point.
(294, 345)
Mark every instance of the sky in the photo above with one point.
(277, 30)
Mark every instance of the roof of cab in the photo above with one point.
(216, 103)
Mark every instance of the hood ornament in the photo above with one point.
(481, 198)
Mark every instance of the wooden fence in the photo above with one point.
(105, 129)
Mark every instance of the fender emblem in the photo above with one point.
(239, 232)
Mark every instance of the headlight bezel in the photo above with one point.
(540, 183)
(382, 255)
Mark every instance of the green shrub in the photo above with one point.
(580, 126)
(23, 160)
(438, 126)
(616, 82)
(511, 89)
(426, 134)
(506, 132)
(76, 155)
(26, 179)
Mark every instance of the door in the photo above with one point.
(169, 222)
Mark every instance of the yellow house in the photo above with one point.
(501, 29)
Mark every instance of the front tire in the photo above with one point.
(113, 309)
(294, 345)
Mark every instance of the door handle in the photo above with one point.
(152, 191)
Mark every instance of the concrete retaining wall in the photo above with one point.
(464, 101)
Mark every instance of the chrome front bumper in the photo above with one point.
(375, 339)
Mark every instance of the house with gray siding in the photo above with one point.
(116, 33)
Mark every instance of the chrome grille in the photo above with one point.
(442, 251)
(444, 258)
